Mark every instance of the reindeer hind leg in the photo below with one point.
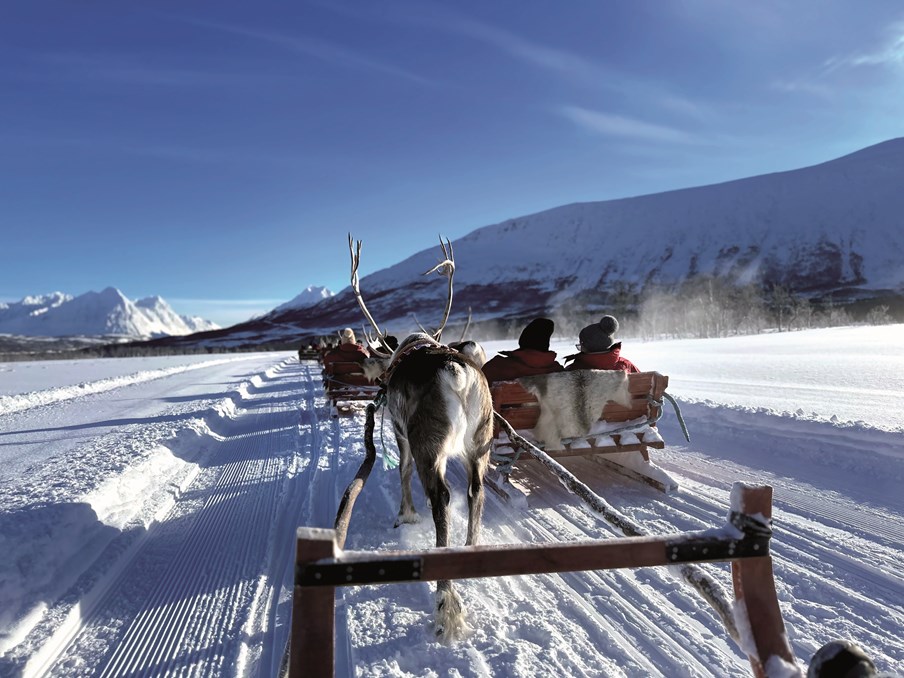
(449, 614)
(407, 512)
(477, 467)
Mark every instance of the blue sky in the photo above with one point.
(217, 153)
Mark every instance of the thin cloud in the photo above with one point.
(891, 54)
(564, 64)
(804, 87)
(549, 58)
(177, 153)
(114, 69)
(621, 127)
(319, 49)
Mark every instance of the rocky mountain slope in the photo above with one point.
(834, 229)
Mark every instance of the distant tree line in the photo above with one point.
(702, 306)
(707, 306)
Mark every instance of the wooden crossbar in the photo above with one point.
(322, 566)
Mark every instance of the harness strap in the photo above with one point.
(421, 345)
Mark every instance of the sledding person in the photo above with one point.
(531, 357)
(598, 349)
(348, 351)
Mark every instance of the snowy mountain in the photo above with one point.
(312, 294)
(105, 313)
(834, 229)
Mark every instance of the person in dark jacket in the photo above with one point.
(348, 351)
(531, 357)
(599, 351)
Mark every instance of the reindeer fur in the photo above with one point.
(441, 407)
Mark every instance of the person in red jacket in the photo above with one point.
(348, 350)
(598, 349)
(531, 357)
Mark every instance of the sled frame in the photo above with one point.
(322, 566)
(522, 410)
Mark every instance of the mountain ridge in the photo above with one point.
(827, 231)
(107, 313)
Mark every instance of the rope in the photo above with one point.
(390, 461)
(505, 463)
(674, 402)
(710, 589)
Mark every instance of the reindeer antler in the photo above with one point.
(445, 268)
(467, 326)
(418, 323)
(354, 249)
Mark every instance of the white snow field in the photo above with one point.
(147, 515)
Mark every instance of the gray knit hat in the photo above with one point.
(598, 337)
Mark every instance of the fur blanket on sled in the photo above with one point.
(571, 402)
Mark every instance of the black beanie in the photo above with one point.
(536, 335)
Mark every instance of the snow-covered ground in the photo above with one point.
(147, 510)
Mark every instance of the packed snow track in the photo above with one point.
(151, 521)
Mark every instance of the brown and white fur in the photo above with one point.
(441, 407)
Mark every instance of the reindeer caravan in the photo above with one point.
(441, 406)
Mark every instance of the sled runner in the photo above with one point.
(345, 382)
(620, 438)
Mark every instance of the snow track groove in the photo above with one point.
(189, 591)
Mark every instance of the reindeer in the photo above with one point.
(440, 406)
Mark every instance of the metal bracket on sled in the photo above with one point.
(332, 573)
(755, 542)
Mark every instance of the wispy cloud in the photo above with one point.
(889, 54)
(564, 64)
(567, 65)
(319, 49)
(183, 153)
(810, 87)
(621, 127)
(116, 69)
(561, 61)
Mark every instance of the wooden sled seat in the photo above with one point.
(345, 381)
(620, 429)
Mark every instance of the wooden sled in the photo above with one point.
(344, 383)
(620, 440)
